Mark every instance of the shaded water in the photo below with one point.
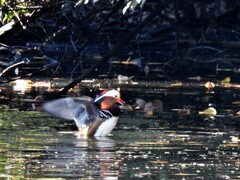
(176, 143)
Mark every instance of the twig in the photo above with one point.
(114, 51)
(26, 60)
(112, 12)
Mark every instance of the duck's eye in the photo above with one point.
(116, 96)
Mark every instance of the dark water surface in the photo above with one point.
(172, 144)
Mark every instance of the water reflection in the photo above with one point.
(76, 157)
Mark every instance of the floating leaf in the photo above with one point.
(185, 174)
(232, 145)
(226, 81)
(209, 85)
(209, 111)
(177, 84)
(159, 162)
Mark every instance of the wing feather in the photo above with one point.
(81, 110)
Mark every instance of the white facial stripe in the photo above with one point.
(111, 93)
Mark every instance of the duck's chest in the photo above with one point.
(106, 127)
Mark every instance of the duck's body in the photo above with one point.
(106, 126)
(154, 105)
(93, 117)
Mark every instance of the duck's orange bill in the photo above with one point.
(120, 101)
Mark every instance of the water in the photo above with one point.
(34, 145)
(176, 143)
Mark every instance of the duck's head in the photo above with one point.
(109, 95)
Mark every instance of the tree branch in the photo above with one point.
(114, 51)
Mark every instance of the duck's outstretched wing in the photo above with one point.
(82, 110)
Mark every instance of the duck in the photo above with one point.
(93, 117)
(148, 107)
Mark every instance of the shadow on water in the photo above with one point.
(166, 145)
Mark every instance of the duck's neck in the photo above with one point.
(105, 103)
(108, 104)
